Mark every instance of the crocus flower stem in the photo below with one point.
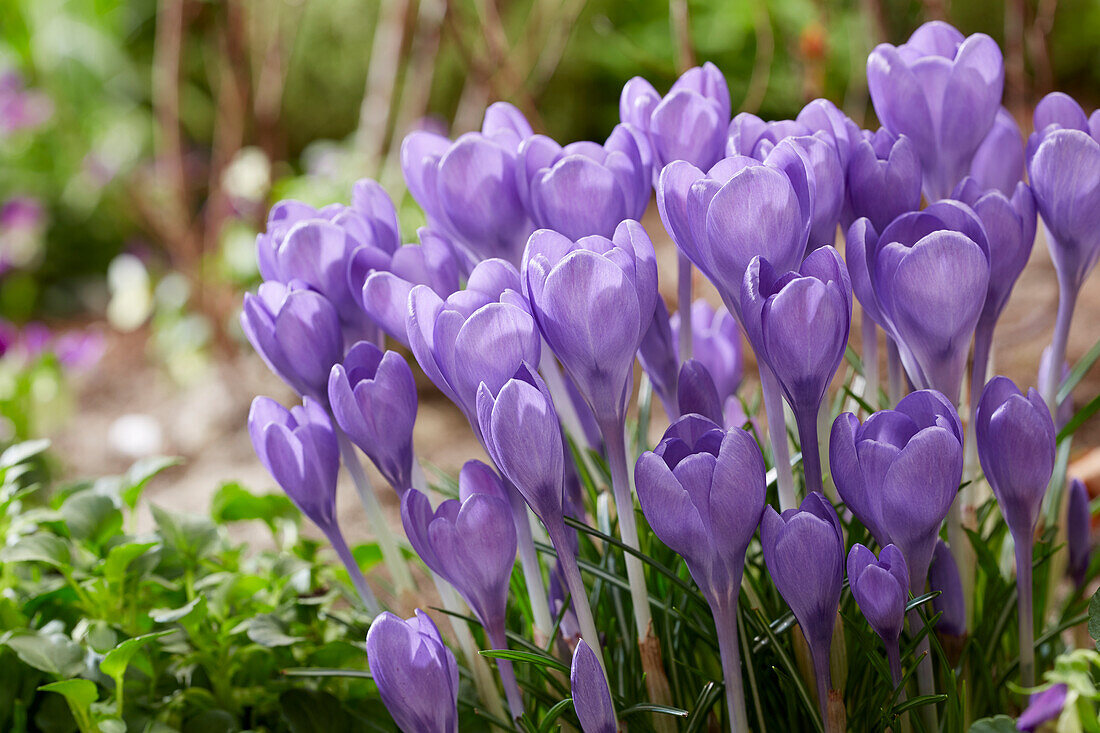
(811, 455)
(356, 575)
(532, 571)
(683, 304)
(870, 360)
(893, 656)
(563, 404)
(507, 673)
(1067, 301)
(894, 372)
(824, 682)
(578, 594)
(387, 542)
(725, 620)
(926, 681)
(614, 437)
(777, 433)
(1027, 624)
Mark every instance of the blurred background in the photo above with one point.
(142, 142)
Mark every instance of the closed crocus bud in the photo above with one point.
(797, 323)
(657, 353)
(593, 300)
(1015, 436)
(282, 217)
(477, 477)
(716, 343)
(584, 188)
(739, 209)
(898, 473)
(924, 279)
(883, 178)
(881, 588)
(822, 116)
(1059, 111)
(591, 695)
(689, 123)
(1043, 707)
(297, 333)
(943, 91)
(387, 282)
(298, 447)
(468, 187)
(804, 553)
(696, 393)
(416, 674)
(943, 576)
(480, 334)
(373, 398)
(999, 162)
(1078, 531)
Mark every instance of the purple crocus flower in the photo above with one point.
(943, 576)
(881, 588)
(522, 435)
(593, 300)
(298, 447)
(999, 162)
(591, 695)
(804, 552)
(822, 116)
(297, 333)
(924, 279)
(689, 123)
(1016, 445)
(480, 334)
(943, 91)
(1078, 531)
(373, 398)
(1043, 707)
(584, 188)
(696, 393)
(416, 674)
(716, 342)
(472, 545)
(797, 323)
(468, 188)
(702, 490)
(1063, 160)
(883, 178)
(898, 473)
(387, 282)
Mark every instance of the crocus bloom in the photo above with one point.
(522, 435)
(591, 695)
(703, 492)
(480, 334)
(297, 333)
(1078, 531)
(689, 123)
(1016, 445)
(942, 91)
(416, 674)
(387, 282)
(593, 300)
(472, 545)
(584, 188)
(373, 398)
(797, 323)
(898, 473)
(1043, 707)
(468, 188)
(804, 552)
(883, 178)
(822, 116)
(1063, 165)
(298, 448)
(999, 162)
(881, 588)
(696, 393)
(716, 342)
(924, 280)
(943, 576)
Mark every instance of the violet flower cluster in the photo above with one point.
(534, 288)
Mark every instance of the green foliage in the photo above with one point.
(170, 628)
